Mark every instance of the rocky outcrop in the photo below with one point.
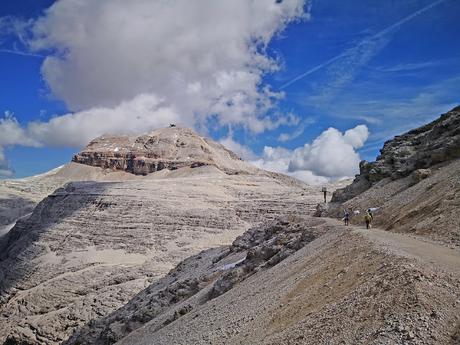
(18, 197)
(168, 148)
(413, 185)
(89, 247)
(202, 278)
(330, 286)
(421, 148)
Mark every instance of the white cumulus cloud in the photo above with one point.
(5, 170)
(241, 150)
(201, 57)
(77, 129)
(115, 61)
(331, 156)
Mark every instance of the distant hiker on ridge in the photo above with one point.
(324, 190)
(346, 217)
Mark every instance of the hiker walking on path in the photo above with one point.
(324, 190)
(370, 210)
(346, 217)
(368, 219)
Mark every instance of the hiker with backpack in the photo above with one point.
(346, 217)
(370, 210)
(368, 219)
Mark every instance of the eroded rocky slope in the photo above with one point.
(414, 183)
(89, 247)
(89, 265)
(202, 278)
(297, 281)
(18, 197)
(409, 153)
(310, 280)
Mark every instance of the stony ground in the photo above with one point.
(91, 261)
(427, 207)
(346, 286)
(414, 183)
(91, 246)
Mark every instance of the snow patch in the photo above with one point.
(232, 265)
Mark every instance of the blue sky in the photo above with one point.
(388, 65)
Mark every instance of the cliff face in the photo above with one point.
(169, 148)
(89, 247)
(421, 148)
(414, 184)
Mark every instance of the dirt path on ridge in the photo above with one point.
(409, 246)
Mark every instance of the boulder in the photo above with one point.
(420, 174)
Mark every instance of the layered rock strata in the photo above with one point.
(413, 186)
(169, 148)
(18, 197)
(89, 247)
(202, 278)
(296, 281)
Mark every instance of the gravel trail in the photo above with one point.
(413, 247)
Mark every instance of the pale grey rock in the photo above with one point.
(420, 174)
(413, 185)
(167, 148)
(90, 246)
(345, 286)
(18, 197)
(203, 277)
(321, 209)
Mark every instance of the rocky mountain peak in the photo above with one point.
(420, 148)
(167, 148)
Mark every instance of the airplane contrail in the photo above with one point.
(377, 35)
(18, 52)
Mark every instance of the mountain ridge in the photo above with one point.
(90, 246)
(337, 285)
(166, 148)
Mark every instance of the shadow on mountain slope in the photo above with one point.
(300, 281)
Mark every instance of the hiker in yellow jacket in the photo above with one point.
(368, 219)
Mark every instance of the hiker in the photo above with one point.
(368, 219)
(346, 217)
(369, 210)
(324, 190)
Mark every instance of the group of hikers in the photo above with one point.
(368, 216)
